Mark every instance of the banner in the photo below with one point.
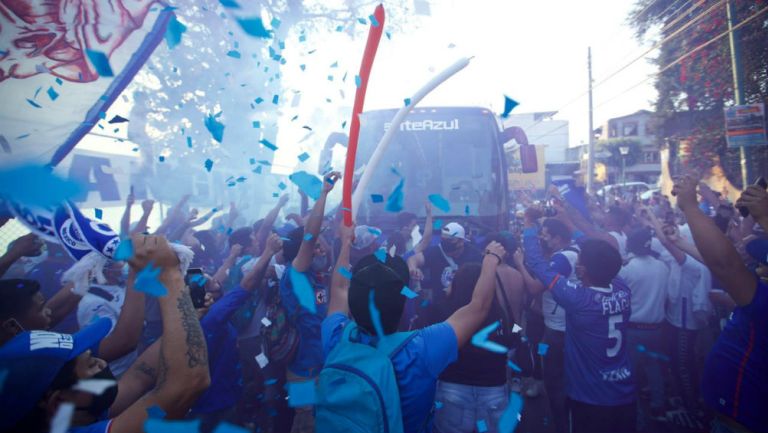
(62, 64)
(745, 125)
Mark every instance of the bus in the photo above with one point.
(457, 152)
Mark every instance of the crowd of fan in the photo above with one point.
(620, 317)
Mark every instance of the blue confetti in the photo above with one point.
(303, 290)
(34, 104)
(440, 202)
(344, 272)
(395, 200)
(198, 279)
(377, 198)
(509, 105)
(117, 119)
(511, 415)
(98, 213)
(542, 349)
(481, 339)
(375, 314)
(407, 101)
(466, 210)
(258, 100)
(374, 21)
(275, 99)
(389, 35)
(232, 4)
(100, 63)
(215, 127)
(147, 282)
(226, 427)
(52, 94)
(154, 425)
(303, 157)
(270, 382)
(381, 255)
(438, 404)
(482, 427)
(358, 81)
(208, 165)
(308, 237)
(256, 124)
(437, 224)
(189, 142)
(275, 23)
(39, 187)
(254, 27)
(234, 54)
(362, 21)
(173, 32)
(339, 28)
(301, 393)
(408, 293)
(310, 184)
(161, 158)
(514, 366)
(268, 144)
(156, 412)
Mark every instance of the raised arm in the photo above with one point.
(125, 221)
(255, 275)
(26, 245)
(183, 367)
(467, 319)
(666, 235)
(141, 225)
(755, 199)
(312, 228)
(426, 240)
(223, 271)
(718, 253)
(269, 222)
(62, 303)
(339, 283)
(127, 332)
(532, 285)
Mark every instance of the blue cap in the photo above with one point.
(32, 359)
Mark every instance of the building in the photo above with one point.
(637, 126)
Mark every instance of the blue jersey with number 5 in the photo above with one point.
(597, 364)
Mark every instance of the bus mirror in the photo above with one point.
(528, 158)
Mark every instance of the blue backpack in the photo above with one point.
(357, 388)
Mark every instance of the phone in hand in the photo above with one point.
(196, 283)
(762, 183)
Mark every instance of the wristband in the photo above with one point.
(495, 255)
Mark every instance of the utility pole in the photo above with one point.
(591, 146)
(738, 88)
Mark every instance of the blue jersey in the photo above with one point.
(735, 379)
(597, 365)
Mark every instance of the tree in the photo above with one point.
(695, 81)
(219, 70)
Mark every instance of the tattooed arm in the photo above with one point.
(137, 380)
(182, 373)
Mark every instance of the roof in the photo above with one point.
(637, 113)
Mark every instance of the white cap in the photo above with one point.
(454, 230)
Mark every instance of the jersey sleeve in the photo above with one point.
(565, 295)
(441, 347)
(331, 331)
(223, 309)
(560, 264)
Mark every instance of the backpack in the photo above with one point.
(357, 388)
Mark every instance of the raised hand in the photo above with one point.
(685, 190)
(329, 181)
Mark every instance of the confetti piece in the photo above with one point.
(407, 101)
(511, 416)
(339, 28)
(514, 366)
(98, 213)
(174, 31)
(516, 329)
(52, 94)
(117, 119)
(154, 425)
(481, 339)
(255, 27)
(303, 290)
(94, 386)
(438, 404)
(100, 63)
(275, 99)
(389, 35)
(375, 314)
(509, 105)
(303, 157)
(258, 100)
(308, 237)
(268, 144)
(161, 158)
(208, 165)
(374, 21)
(34, 104)
(437, 224)
(482, 427)
(155, 412)
(310, 184)
(358, 81)
(301, 393)
(270, 381)
(466, 210)
(147, 282)
(275, 23)
(440, 202)
(395, 200)
(61, 420)
(266, 322)
(344, 272)
(377, 198)
(408, 293)
(232, 4)
(39, 187)
(381, 255)
(215, 127)
(362, 21)
(234, 54)
(262, 360)
(542, 349)
(226, 427)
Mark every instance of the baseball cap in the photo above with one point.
(365, 236)
(454, 230)
(32, 360)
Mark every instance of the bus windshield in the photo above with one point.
(451, 152)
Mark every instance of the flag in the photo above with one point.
(62, 68)
(574, 195)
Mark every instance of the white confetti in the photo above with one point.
(94, 386)
(262, 360)
(62, 418)
(266, 322)
(516, 329)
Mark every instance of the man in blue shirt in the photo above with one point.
(599, 384)
(419, 363)
(305, 298)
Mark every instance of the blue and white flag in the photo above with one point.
(574, 195)
(99, 236)
(39, 220)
